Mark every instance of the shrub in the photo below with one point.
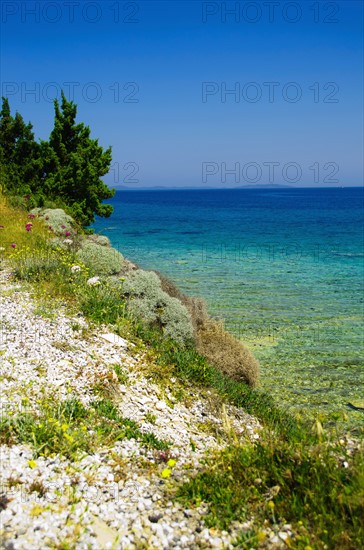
(149, 303)
(170, 288)
(227, 353)
(175, 319)
(100, 259)
(56, 218)
(142, 283)
(102, 240)
(195, 306)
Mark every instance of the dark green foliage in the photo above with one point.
(65, 170)
(20, 155)
(74, 165)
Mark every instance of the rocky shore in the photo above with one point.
(119, 497)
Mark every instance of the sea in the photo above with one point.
(284, 270)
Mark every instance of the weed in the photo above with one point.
(151, 418)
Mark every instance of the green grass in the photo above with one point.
(69, 429)
(188, 364)
(278, 483)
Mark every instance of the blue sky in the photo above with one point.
(150, 79)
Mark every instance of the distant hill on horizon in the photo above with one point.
(191, 187)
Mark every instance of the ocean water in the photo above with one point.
(284, 268)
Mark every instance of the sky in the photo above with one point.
(197, 94)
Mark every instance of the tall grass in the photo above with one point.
(277, 483)
(13, 231)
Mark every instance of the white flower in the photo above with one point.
(68, 241)
(94, 281)
(75, 268)
(2, 248)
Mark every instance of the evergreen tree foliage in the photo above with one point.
(74, 164)
(65, 170)
(20, 155)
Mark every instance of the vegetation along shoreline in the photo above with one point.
(138, 389)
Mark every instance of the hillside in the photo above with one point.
(116, 432)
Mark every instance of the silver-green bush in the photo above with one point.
(143, 284)
(100, 259)
(57, 219)
(102, 240)
(149, 303)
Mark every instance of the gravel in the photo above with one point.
(111, 498)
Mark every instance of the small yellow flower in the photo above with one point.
(64, 427)
(271, 505)
(36, 510)
(32, 464)
(166, 473)
(171, 462)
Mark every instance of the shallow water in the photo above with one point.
(283, 268)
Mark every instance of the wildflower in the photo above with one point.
(63, 226)
(2, 248)
(171, 462)
(94, 281)
(166, 473)
(29, 226)
(67, 234)
(13, 245)
(32, 464)
(163, 455)
(31, 216)
(75, 268)
(68, 241)
(50, 227)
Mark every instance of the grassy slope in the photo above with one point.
(294, 474)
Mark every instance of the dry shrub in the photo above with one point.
(195, 306)
(227, 353)
(220, 348)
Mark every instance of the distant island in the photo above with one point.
(191, 187)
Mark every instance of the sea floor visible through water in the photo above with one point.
(282, 268)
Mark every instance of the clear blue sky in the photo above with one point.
(138, 71)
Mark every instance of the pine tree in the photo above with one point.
(73, 165)
(20, 158)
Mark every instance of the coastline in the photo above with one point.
(111, 439)
(291, 281)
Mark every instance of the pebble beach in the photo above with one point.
(115, 497)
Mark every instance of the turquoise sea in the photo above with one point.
(283, 268)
